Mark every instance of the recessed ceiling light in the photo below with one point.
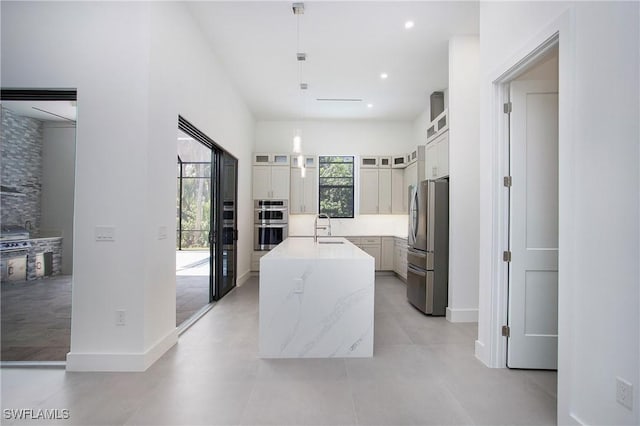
(409, 24)
(369, 105)
(384, 76)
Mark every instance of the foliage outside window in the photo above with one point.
(336, 186)
(194, 205)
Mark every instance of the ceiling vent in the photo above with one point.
(338, 99)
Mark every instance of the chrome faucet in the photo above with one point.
(316, 227)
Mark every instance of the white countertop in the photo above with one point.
(306, 248)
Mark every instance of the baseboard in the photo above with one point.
(576, 420)
(244, 278)
(462, 315)
(480, 352)
(121, 361)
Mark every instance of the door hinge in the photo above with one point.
(507, 107)
(506, 256)
(506, 331)
(508, 181)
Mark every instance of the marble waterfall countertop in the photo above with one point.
(325, 248)
(316, 300)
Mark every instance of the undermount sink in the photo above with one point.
(330, 242)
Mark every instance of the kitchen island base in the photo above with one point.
(316, 300)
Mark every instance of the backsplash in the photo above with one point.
(21, 148)
(362, 225)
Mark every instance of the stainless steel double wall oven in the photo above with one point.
(271, 223)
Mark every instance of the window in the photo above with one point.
(336, 186)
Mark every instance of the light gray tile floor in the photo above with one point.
(423, 372)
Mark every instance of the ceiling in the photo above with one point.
(348, 46)
(43, 110)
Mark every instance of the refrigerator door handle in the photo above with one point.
(417, 271)
(417, 253)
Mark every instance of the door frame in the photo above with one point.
(560, 32)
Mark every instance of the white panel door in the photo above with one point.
(533, 271)
(368, 191)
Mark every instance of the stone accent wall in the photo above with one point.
(21, 170)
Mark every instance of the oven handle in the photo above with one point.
(271, 226)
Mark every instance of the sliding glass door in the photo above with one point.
(207, 219)
(229, 226)
(195, 248)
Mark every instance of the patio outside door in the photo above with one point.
(228, 228)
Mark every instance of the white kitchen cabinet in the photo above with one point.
(309, 161)
(437, 157)
(370, 245)
(399, 192)
(369, 162)
(400, 257)
(255, 259)
(303, 191)
(387, 252)
(400, 161)
(411, 175)
(271, 182)
(374, 251)
(368, 191)
(384, 191)
(375, 191)
(384, 162)
(266, 159)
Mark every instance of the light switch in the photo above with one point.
(105, 233)
(162, 233)
(298, 285)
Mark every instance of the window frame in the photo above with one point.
(352, 186)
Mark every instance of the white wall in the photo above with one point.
(129, 95)
(341, 137)
(420, 126)
(464, 129)
(58, 184)
(599, 322)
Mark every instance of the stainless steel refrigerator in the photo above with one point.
(428, 254)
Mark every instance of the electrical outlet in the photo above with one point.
(298, 285)
(624, 393)
(120, 317)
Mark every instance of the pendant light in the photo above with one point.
(298, 10)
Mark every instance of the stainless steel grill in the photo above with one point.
(14, 238)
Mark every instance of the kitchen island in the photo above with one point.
(316, 300)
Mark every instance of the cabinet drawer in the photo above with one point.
(354, 240)
(369, 240)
